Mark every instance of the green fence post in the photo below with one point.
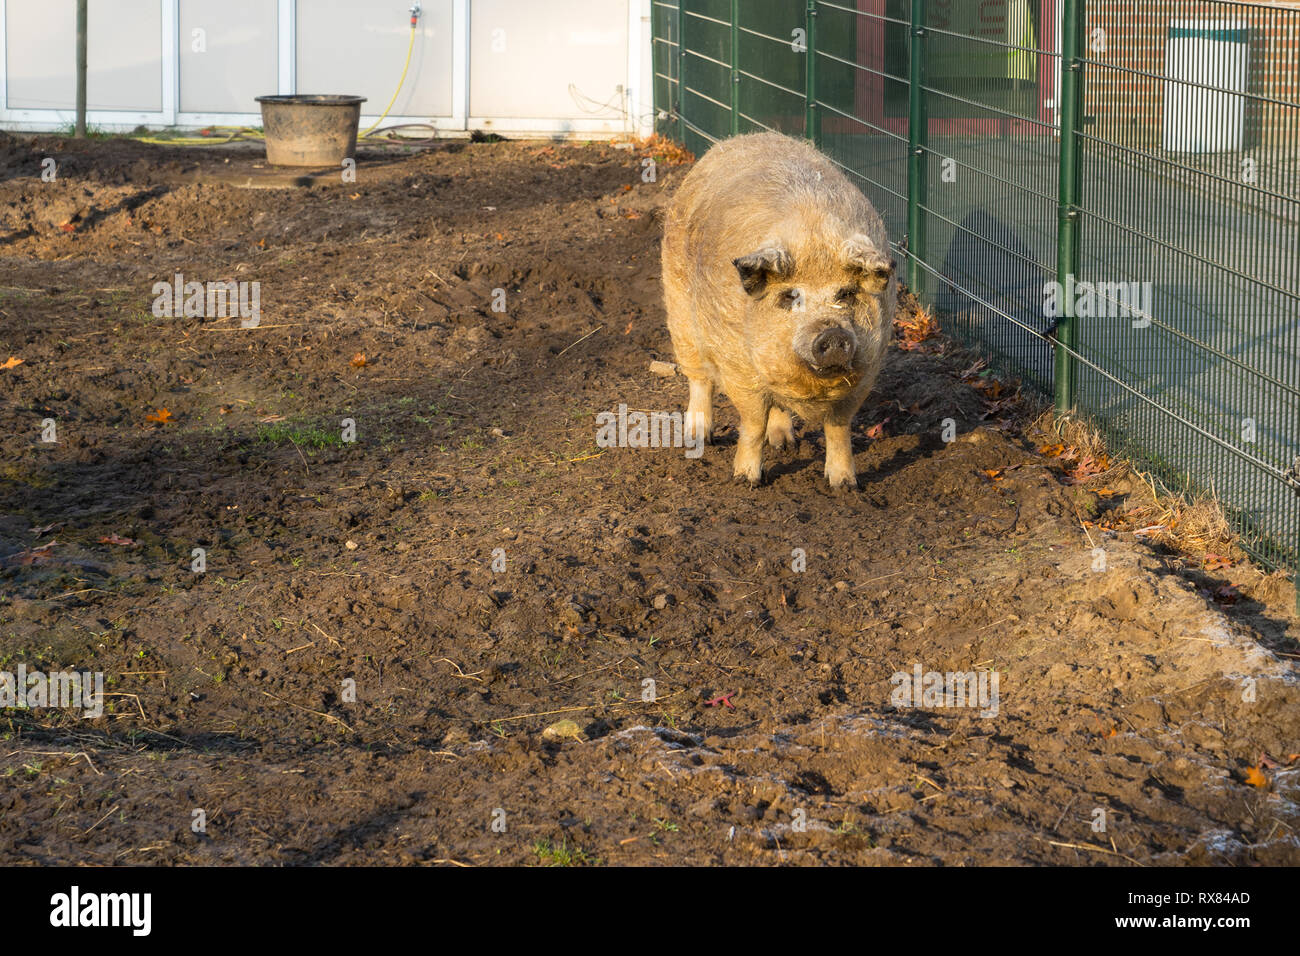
(735, 67)
(681, 72)
(1068, 187)
(812, 126)
(917, 136)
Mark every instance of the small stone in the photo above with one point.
(350, 545)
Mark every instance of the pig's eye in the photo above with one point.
(790, 299)
(846, 295)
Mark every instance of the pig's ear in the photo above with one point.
(872, 268)
(761, 266)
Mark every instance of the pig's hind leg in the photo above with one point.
(684, 330)
(699, 409)
(780, 428)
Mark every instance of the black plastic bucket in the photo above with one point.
(310, 130)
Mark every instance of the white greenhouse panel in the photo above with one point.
(358, 49)
(518, 67)
(124, 61)
(553, 59)
(228, 54)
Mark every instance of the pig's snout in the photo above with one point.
(832, 348)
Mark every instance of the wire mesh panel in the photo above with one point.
(992, 162)
(706, 72)
(861, 100)
(771, 45)
(1105, 196)
(1191, 207)
(665, 19)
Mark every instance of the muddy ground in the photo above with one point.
(1146, 711)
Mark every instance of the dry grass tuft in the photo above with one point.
(1132, 502)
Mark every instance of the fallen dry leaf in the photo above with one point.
(912, 332)
(1087, 467)
(13, 361)
(30, 556)
(1256, 777)
(117, 539)
(993, 474)
(663, 150)
(359, 360)
(162, 416)
(1216, 562)
(1051, 451)
(877, 431)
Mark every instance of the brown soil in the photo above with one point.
(1144, 695)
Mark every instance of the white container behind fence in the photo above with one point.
(1200, 54)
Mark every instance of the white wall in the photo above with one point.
(229, 53)
(580, 67)
(123, 67)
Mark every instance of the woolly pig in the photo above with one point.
(779, 291)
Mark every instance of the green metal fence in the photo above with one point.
(1143, 156)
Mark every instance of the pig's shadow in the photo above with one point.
(901, 458)
(810, 452)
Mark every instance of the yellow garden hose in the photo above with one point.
(228, 135)
(415, 16)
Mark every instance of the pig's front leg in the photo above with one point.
(839, 449)
(753, 408)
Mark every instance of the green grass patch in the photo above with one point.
(548, 854)
(304, 436)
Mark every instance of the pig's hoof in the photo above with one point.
(745, 478)
(843, 484)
